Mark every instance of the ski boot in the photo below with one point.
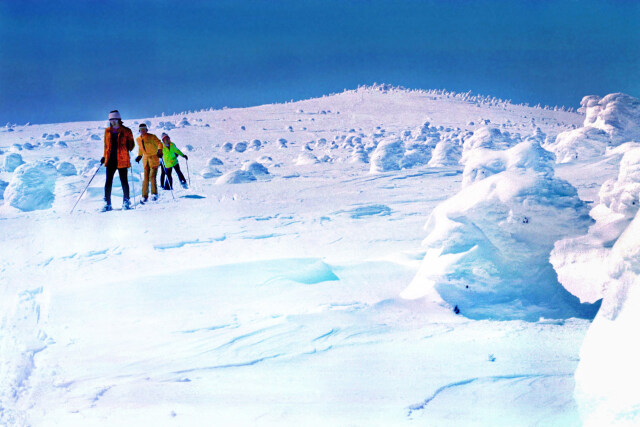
(107, 208)
(184, 185)
(126, 204)
(154, 197)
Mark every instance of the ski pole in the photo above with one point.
(142, 181)
(166, 178)
(133, 187)
(188, 176)
(85, 188)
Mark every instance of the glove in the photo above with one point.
(102, 161)
(138, 159)
(159, 153)
(185, 157)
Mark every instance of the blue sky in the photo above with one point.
(76, 60)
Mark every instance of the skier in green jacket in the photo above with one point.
(170, 155)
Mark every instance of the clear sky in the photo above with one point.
(77, 60)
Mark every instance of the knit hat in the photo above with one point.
(143, 125)
(164, 135)
(115, 114)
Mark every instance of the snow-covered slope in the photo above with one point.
(269, 292)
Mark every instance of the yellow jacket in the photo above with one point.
(148, 149)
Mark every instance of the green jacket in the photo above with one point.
(170, 155)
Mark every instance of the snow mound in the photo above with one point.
(256, 144)
(12, 161)
(387, 156)
(490, 138)
(359, 155)
(164, 125)
(241, 147)
(227, 147)
(487, 248)
(32, 186)
(236, 177)
(617, 114)
(214, 161)
(210, 172)
(416, 154)
(256, 168)
(609, 122)
(578, 144)
(426, 133)
(446, 153)
(529, 155)
(306, 158)
(66, 169)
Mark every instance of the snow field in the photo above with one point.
(276, 300)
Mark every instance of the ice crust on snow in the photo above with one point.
(487, 248)
(32, 186)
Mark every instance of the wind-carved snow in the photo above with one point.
(487, 247)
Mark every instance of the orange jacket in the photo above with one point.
(148, 149)
(123, 145)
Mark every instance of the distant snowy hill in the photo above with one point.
(295, 282)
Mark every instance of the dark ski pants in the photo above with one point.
(111, 171)
(170, 178)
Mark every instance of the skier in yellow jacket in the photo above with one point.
(148, 147)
